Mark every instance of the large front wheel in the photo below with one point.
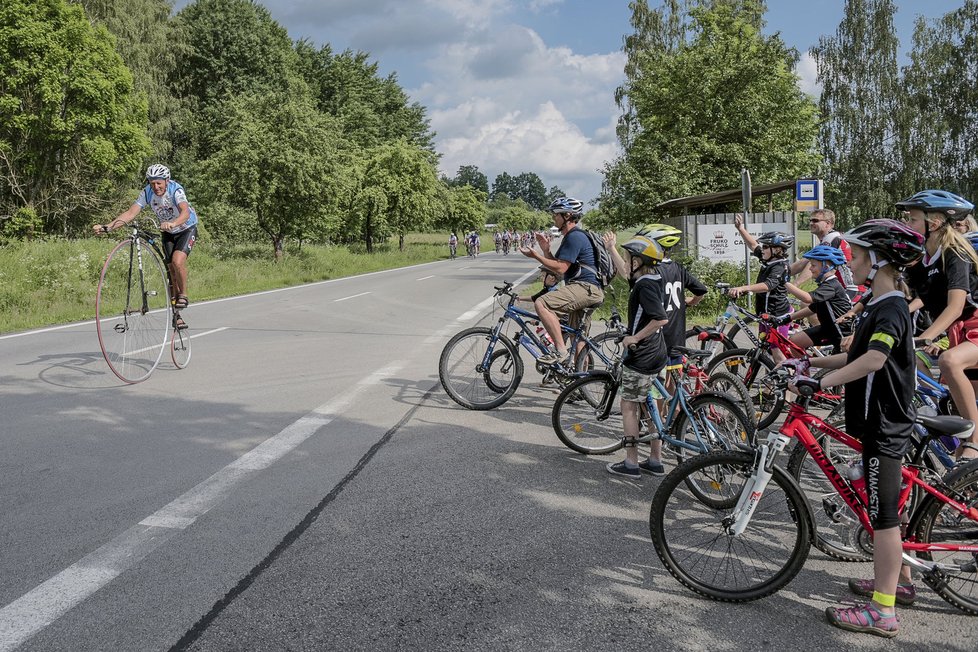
(132, 311)
(478, 371)
(692, 536)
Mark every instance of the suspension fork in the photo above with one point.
(764, 458)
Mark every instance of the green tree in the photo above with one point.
(858, 71)
(503, 186)
(554, 193)
(372, 109)
(71, 129)
(465, 209)
(531, 190)
(149, 46)
(278, 162)
(724, 98)
(399, 192)
(937, 122)
(471, 175)
(235, 48)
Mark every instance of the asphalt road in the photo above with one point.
(306, 485)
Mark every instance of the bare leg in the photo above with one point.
(952, 364)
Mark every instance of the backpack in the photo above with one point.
(605, 265)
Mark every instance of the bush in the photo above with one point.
(24, 224)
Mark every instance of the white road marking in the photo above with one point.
(47, 602)
(425, 278)
(352, 296)
(156, 346)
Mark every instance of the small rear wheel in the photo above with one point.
(180, 347)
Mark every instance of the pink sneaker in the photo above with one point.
(865, 619)
(905, 593)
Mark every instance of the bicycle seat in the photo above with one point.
(946, 425)
(696, 354)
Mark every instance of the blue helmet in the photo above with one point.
(827, 254)
(775, 239)
(938, 201)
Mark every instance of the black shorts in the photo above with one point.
(823, 335)
(183, 241)
(883, 480)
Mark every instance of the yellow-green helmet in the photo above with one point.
(650, 251)
(667, 236)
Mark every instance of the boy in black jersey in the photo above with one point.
(828, 302)
(771, 295)
(878, 373)
(676, 281)
(645, 351)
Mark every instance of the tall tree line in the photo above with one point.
(888, 131)
(706, 93)
(273, 139)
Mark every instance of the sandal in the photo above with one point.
(178, 322)
(181, 302)
(865, 619)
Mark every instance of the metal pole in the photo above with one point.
(745, 191)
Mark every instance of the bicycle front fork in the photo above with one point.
(750, 496)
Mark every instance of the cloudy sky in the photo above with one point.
(525, 85)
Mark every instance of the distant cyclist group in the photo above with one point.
(891, 297)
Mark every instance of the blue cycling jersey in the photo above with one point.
(167, 207)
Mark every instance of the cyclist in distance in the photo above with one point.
(178, 225)
(452, 245)
(946, 285)
(878, 372)
(575, 261)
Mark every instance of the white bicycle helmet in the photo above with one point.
(157, 171)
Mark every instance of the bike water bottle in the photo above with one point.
(544, 335)
(857, 476)
(530, 346)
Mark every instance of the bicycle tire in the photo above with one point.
(727, 383)
(132, 311)
(689, 537)
(837, 529)
(468, 385)
(576, 415)
(768, 404)
(934, 521)
(180, 348)
(609, 346)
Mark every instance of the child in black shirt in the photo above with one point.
(645, 351)
(828, 302)
(880, 409)
(770, 290)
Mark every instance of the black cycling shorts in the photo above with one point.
(823, 335)
(183, 241)
(883, 480)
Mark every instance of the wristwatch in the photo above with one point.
(928, 342)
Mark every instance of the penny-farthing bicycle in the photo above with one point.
(134, 312)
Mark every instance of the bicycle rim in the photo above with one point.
(691, 537)
(180, 347)
(609, 346)
(587, 416)
(132, 312)
(939, 523)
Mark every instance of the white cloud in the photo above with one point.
(509, 103)
(807, 71)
